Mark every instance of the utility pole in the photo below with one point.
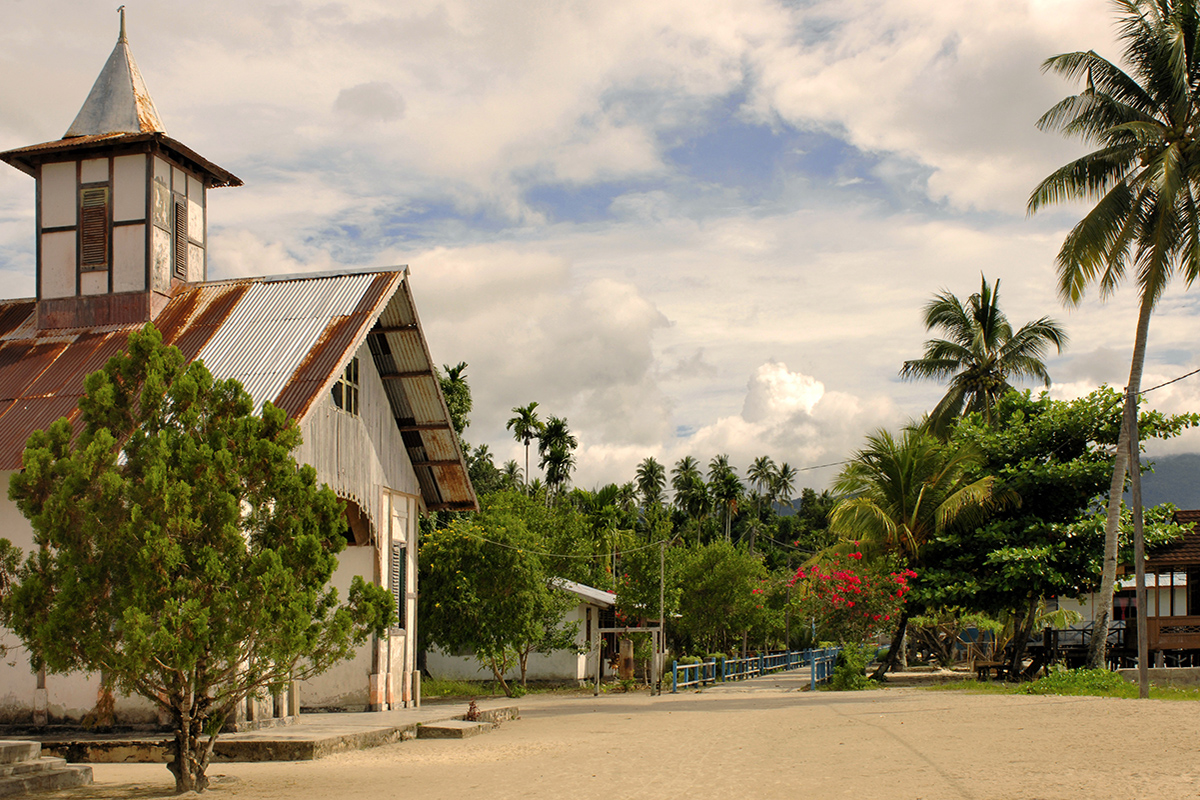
(661, 656)
(1139, 547)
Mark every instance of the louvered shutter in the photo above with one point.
(398, 574)
(181, 240)
(93, 228)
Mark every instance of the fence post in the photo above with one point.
(674, 677)
(812, 670)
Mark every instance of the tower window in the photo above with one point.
(345, 391)
(93, 229)
(181, 240)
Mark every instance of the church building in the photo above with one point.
(122, 212)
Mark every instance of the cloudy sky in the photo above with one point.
(689, 226)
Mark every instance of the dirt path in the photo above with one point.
(762, 739)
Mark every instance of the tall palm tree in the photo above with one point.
(1144, 177)
(900, 493)
(980, 354)
(784, 484)
(762, 476)
(525, 427)
(556, 447)
(725, 489)
(651, 481)
(691, 492)
(511, 474)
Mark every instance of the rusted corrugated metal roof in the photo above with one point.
(285, 339)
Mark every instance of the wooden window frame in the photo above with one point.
(346, 390)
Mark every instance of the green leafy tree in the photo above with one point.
(980, 353)
(1143, 176)
(717, 601)
(1056, 458)
(691, 492)
(899, 494)
(180, 550)
(485, 589)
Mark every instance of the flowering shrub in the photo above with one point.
(848, 600)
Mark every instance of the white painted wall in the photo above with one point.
(129, 258)
(58, 194)
(58, 264)
(346, 684)
(561, 665)
(93, 170)
(94, 282)
(129, 188)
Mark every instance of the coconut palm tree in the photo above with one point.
(651, 481)
(980, 354)
(762, 476)
(691, 492)
(725, 489)
(1144, 177)
(510, 473)
(525, 427)
(784, 484)
(900, 493)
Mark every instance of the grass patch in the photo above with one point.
(432, 688)
(1073, 682)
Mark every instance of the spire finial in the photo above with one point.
(121, 11)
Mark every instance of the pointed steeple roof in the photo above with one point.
(118, 102)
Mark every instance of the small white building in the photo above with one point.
(577, 664)
(121, 227)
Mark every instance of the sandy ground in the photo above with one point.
(763, 738)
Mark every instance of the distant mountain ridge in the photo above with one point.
(1176, 479)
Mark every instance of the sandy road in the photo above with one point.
(763, 739)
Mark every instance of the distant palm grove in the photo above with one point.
(992, 502)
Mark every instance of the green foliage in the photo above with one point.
(981, 353)
(180, 549)
(850, 672)
(1095, 682)
(485, 589)
(849, 600)
(458, 395)
(717, 600)
(1053, 460)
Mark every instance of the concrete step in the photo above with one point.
(48, 781)
(42, 764)
(453, 729)
(14, 750)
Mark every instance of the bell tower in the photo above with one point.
(122, 208)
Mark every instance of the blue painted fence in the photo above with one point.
(819, 662)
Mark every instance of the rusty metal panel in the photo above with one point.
(74, 363)
(440, 445)
(14, 315)
(22, 363)
(26, 415)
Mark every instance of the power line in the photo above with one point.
(1173, 380)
